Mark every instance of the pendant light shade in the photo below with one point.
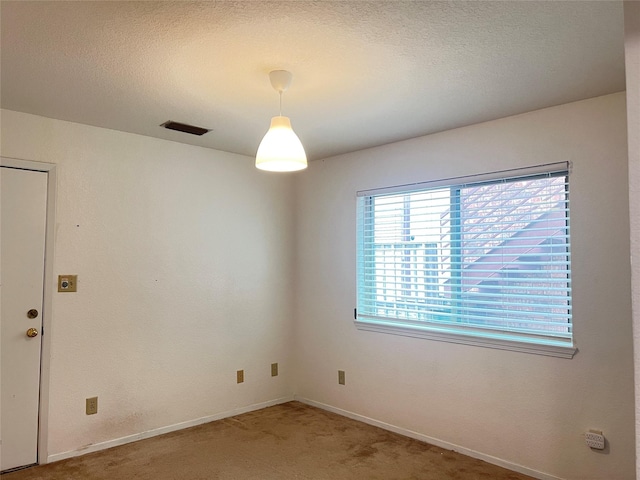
(281, 149)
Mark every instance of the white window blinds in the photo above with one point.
(487, 258)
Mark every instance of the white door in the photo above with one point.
(23, 209)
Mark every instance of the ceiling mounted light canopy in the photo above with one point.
(281, 149)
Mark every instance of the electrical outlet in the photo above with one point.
(92, 406)
(594, 439)
(240, 376)
(341, 377)
(274, 369)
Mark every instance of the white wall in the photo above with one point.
(632, 64)
(184, 265)
(525, 409)
(162, 319)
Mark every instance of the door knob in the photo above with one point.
(32, 332)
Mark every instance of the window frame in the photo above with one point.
(445, 332)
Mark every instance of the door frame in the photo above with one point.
(47, 299)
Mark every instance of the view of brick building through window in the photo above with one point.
(488, 254)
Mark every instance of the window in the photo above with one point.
(485, 261)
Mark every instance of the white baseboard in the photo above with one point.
(345, 413)
(95, 447)
(433, 441)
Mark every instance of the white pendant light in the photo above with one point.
(281, 149)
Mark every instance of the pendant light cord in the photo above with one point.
(280, 102)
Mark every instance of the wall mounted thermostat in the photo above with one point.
(67, 283)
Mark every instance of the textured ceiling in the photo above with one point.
(364, 73)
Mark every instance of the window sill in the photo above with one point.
(431, 333)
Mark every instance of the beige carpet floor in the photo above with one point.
(288, 441)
